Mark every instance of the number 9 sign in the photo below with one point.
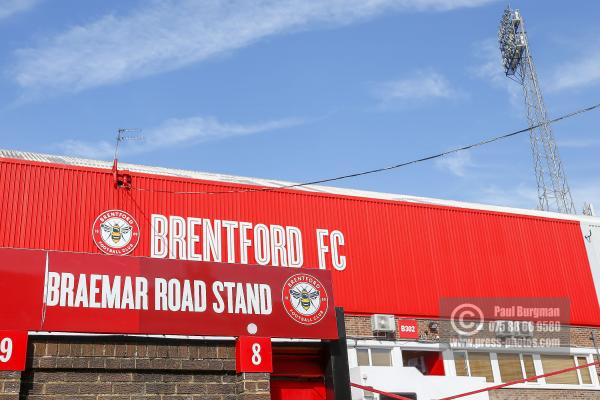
(13, 350)
(253, 354)
(5, 349)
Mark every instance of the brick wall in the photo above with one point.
(61, 368)
(532, 394)
(10, 383)
(359, 326)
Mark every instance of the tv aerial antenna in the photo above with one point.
(552, 188)
(123, 180)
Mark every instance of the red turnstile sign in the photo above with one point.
(408, 329)
(253, 354)
(13, 350)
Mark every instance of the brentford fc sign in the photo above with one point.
(116, 232)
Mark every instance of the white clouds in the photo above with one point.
(99, 150)
(583, 71)
(588, 191)
(524, 195)
(578, 143)
(491, 70)
(520, 196)
(491, 64)
(421, 86)
(10, 7)
(176, 132)
(456, 163)
(167, 35)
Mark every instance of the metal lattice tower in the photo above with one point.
(552, 187)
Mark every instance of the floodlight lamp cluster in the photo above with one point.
(512, 40)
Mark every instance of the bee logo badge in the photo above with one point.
(115, 232)
(305, 299)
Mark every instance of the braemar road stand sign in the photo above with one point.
(91, 293)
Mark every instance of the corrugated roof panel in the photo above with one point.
(83, 162)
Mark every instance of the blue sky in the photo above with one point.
(299, 90)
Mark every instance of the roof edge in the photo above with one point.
(224, 178)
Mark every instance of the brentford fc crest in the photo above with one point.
(116, 232)
(305, 299)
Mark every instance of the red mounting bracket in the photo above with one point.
(121, 179)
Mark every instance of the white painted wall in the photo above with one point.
(591, 238)
(409, 379)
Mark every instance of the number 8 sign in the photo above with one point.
(253, 354)
(13, 350)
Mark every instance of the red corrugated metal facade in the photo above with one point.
(401, 257)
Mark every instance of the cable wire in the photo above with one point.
(382, 169)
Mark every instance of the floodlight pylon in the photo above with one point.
(552, 188)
